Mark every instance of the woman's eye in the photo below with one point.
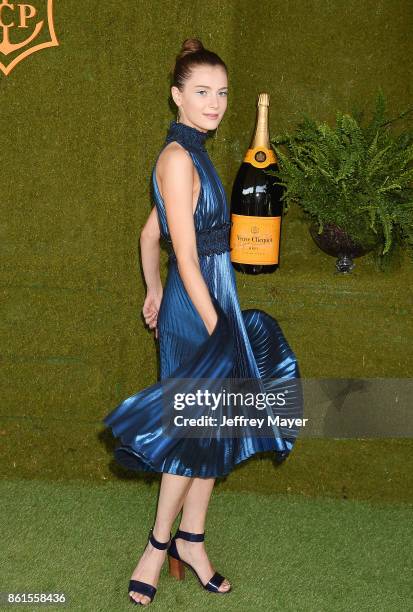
(202, 91)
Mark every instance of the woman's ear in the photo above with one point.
(176, 95)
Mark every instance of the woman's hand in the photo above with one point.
(211, 327)
(151, 307)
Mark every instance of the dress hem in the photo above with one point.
(147, 466)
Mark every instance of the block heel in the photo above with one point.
(176, 568)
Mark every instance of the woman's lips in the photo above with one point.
(212, 116)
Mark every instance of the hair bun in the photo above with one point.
(191, 45)
(192, 54)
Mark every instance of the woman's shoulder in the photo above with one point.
(174, 157)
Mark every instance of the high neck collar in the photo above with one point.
(186, 135)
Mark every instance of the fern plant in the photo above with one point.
(358, 177)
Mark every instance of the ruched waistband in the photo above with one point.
(211, 241)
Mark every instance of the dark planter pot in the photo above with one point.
(336, 242)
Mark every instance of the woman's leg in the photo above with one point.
(193, 520)
(171, 496)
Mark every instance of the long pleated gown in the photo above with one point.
(245, 344)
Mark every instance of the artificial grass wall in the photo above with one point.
(81, 125)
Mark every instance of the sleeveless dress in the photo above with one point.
(245, 344)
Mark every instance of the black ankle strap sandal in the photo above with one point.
(144, 588)
(176, 564)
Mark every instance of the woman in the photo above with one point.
(201, 329)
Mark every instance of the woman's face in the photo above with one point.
(203, 100)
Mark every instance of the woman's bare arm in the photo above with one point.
(150, 251)
(177, 189)
(150, 255)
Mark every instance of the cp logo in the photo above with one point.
(22, 27)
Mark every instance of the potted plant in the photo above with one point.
(353, 181)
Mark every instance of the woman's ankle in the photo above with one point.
(162, 533)
(192, 528)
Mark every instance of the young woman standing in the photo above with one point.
(202, 331)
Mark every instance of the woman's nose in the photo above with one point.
(214, 103)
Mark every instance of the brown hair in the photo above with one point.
(193, 53)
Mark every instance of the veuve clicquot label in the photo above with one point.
(255, 240)
(256, 206)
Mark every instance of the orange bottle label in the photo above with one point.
(255, 240)
(260, 157)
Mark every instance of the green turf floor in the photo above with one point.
(280, 552)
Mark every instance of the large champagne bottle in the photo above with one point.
(256, 207)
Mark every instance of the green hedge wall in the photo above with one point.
(81, 125)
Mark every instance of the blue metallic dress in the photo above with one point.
(245, 344)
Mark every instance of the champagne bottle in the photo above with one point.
(256, 207)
